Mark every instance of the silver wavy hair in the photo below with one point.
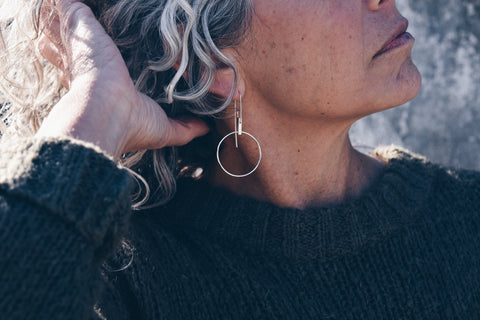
(152, 35)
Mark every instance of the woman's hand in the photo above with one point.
(102, 105)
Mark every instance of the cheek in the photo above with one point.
(329, 77)
(343, 54)
(342, 74)
(318, 58)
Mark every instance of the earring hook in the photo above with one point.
(239, 131)
(238, 121)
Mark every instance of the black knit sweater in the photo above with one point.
(409, 248)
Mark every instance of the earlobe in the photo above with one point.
(224, 82)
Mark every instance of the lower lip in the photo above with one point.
(400, 41)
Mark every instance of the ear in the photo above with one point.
(224, 81)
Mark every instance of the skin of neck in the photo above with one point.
(306, 162)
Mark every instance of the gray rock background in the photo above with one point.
(443, 122)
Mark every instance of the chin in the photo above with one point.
(406, 86)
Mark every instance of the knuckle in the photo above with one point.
(72, 14)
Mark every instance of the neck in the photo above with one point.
(305, 163)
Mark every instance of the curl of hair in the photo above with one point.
(160, 41)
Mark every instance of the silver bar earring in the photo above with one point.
(238, 132)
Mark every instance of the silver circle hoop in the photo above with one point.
(239, 175)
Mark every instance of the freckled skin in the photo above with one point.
(335, 41)
(306, 72)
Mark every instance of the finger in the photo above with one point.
(50, 24)
(64, 5)
(179, 132)
(70, 12)
(184, 130)
(65, 80)
(82, 37)
(50, 52)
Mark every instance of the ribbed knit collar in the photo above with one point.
(316, 233)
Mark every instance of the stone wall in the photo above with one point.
(443, 122)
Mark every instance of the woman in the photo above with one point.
(312, 230)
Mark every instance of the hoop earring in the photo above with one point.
(238, 132)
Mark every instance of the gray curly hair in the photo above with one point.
(152, 35)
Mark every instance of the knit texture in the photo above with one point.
(406, 249)
(63, 207)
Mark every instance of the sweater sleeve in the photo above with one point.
(63, 208)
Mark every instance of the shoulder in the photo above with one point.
(394, 154)
(458, 187)
(454, 188)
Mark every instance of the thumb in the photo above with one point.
(185, 129)
(64, 5)
(151, 128)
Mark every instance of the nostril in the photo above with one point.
(375, 4)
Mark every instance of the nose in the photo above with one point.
(374, 5)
